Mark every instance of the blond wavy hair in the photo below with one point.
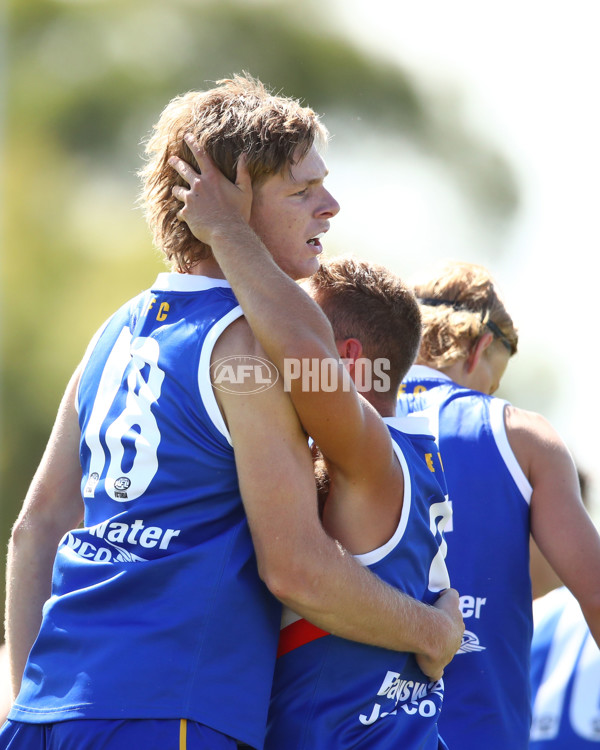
(458, 306)
(238, 116)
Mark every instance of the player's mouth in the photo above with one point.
(315, 243)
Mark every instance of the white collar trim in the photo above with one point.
(187, 282)
(419, 372)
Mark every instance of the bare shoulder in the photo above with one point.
(529, 428)
(237, 340)
(535, 442)
(246, 385)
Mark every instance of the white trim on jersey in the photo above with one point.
(425, 422)
(416, 423)
(499, 431)
(423, 372)
(186, 282)
(369, 558)
(88, 353)
(288, 617)
(204, 382)
(432, 413)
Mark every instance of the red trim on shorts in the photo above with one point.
(298, 634)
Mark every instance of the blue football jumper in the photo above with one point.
(157, 609)
(487, 702)
(565, 676)
(334, 693)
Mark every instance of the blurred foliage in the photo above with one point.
(85, 79)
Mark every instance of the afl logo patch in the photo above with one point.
(122, 484)
(120, 487)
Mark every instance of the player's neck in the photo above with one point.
(207, 267)
(457, 372)
(383, 403)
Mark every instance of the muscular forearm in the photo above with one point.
(343, 598)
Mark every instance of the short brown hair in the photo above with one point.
(238, 116)
(368, 302)
(458, 305)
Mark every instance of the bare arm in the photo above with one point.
(52, 506)
(302, 566)
(560, 524)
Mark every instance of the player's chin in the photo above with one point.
(302, 266)
(308, 268)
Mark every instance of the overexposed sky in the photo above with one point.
(528, 72)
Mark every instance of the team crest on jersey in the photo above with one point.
(470, 643)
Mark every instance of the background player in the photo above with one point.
(508, 473)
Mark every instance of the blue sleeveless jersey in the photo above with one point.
(157, 609)
(565, 676)
(487, 702)
(334, 693)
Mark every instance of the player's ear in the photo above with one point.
(350, 349)
(477, 351)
